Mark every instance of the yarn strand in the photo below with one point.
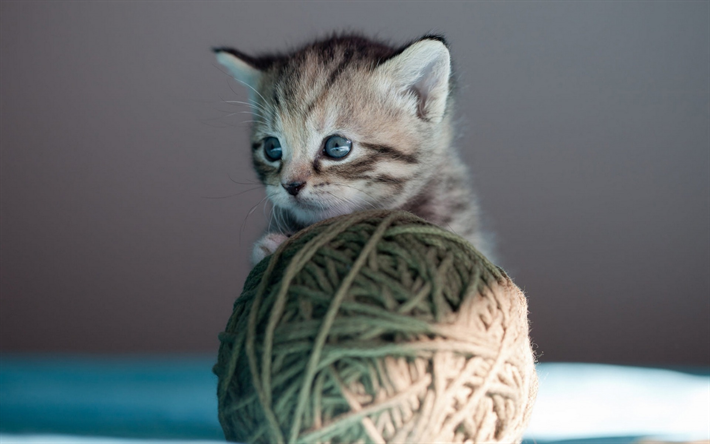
(328, 322)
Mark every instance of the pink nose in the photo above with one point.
(293, 187)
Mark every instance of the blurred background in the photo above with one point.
(128, 204)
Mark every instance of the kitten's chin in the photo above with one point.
(308, 214)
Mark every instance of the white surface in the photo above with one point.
(585, 400)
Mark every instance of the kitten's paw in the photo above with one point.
(266, 246)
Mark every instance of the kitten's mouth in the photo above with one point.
(314, 209)
(308, 209)
(310, 206)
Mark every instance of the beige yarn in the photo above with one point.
(376, 327)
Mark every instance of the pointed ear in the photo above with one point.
(241, 67)
(424, 68)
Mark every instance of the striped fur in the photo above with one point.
(393, 103)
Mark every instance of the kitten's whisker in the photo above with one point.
(361, 191)
(231, 195)
(272, 218)
(340, 199)
(210, 121)
(252, 88)
(367, 202)
(257, 110)
(251, 182)
(227, 114)
(253, 106)
(241, 230)
(253, 114)
(257, 120)
(280, 220)
(275, 225)
(341, 203)
(350, 204)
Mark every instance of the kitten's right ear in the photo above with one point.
(423, 67)
(240, 66)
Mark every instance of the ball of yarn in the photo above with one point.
(376, 327)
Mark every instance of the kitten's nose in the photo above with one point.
(293, 187)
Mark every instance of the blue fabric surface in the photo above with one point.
(174, 397)
(147, 397)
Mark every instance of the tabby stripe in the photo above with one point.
(339, 69)
(275, 98)
(461, 206)
(354, 170)
(263, 170)
(331, 79)
(316, 165)
(386, 178)
(421, 205)
(393, 154)
(396, 182)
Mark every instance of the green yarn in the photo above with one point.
(334, 305)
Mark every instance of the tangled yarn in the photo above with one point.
(376, 327)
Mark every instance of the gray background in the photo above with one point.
(586, 123)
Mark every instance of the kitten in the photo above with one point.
(347, 124)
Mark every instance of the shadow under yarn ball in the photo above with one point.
(376, 327)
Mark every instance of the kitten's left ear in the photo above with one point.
(241, 66)
(423, 67)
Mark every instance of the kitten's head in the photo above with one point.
(346, 123)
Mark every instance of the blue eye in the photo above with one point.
(272, 148)
(337, 147)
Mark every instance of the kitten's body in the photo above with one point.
(393, 107)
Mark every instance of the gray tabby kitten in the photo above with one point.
(347, 124)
